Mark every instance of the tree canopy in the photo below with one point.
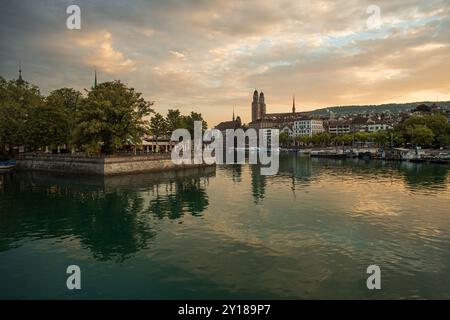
(104, 119)
(112, 115)
(19, 103)
(109, 116)
(175, 120)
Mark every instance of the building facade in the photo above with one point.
(307, 127)
(339, 127)
(287, 129)
(373, 127)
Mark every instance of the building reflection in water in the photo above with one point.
(301, 171)
(292, 171)
(258, 183)
(234, 171)
(113, 217)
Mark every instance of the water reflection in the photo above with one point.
(301, 171)
(308, 232)
(109, 216)
(258, 184)
(186, 195)
(418, 176)
(234, 171)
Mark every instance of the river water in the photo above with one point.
(309, 232)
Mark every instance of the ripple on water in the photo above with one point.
(308, 232)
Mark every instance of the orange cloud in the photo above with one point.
(100, 52)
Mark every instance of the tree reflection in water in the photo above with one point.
(185, 196)
(112, 216)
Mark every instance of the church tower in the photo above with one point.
(262, 106)
(255, 106)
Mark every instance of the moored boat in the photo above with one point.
(7, 165)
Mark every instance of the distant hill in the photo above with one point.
(392, 107)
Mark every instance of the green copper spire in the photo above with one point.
(20, 80)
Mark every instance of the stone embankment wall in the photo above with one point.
(102, 166)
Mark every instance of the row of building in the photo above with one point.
(309, 127)
(296, 123)
(301, 124)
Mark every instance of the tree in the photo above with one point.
(343, 139)
(19, 102)
(362, 136)
(421, 135)
(381, 137)
(56, 120)
(112, 115)
(437, 123)
(323, 139)
(174, 120)
(303, 140)
(443, 140)
(316, 139)
(3, 113)
(158, 127)
(397, 137)
(285, 139)
(190, 119)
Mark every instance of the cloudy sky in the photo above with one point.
(209, 55)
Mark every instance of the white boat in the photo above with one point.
(444, 156)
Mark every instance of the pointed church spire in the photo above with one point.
(293, 104)
(95, 77)
(233, 113)
(20, 79)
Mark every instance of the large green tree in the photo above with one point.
(381, 138)
(437, 123)
(158, 127)
(190, 119)
(112, 115)
(421, 135)
(174, 120)
(53, 123)
(19, 102)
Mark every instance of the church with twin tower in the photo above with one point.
(260, 117)
(258, 106)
